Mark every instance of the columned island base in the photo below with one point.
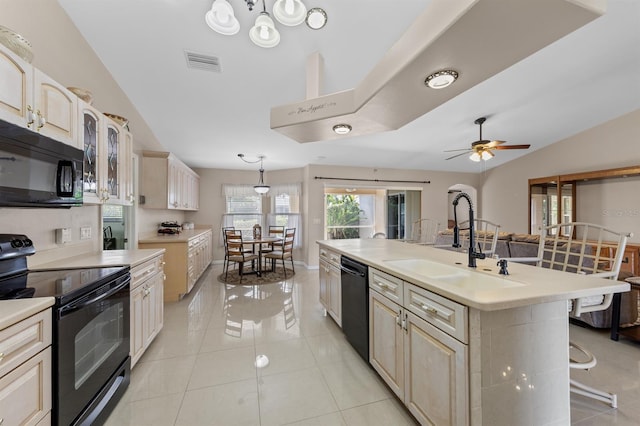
(463, 346)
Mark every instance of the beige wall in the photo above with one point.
(614, 204)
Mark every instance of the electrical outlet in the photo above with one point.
(63, 235)
(85, 233)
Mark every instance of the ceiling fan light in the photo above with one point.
(221, 19)
(475, 157)
(264, 32)
(342, 129)
(487, 155)
(316, 18)
(441, 79)
(290, 12)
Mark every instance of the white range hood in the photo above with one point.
(476, 38)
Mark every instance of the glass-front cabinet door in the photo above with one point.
(113, 162)
(91, 120)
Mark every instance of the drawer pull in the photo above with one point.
(430, 310)
(382, 285)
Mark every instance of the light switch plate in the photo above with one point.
(85, 233)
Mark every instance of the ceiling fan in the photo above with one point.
(482, 148)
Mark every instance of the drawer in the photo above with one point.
(387, 285)
(25, 393)
(447, 315)
(140, 273)
(23, 340)
(330, 256)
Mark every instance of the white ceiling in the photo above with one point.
(206, 119)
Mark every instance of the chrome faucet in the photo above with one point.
(473, 254)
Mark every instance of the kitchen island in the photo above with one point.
(462, 346)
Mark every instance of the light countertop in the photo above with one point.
(182, 237)
(14, 311)
(532, 285)
(103, 259)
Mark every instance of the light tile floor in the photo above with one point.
(201, 369)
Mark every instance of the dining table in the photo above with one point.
(260, 242)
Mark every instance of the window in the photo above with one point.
(243, 208)
(285, 208)
(350, 215)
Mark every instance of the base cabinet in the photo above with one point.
(25, 371)
(423, 365)
(186, 256)
(331, 284)
(147, 305)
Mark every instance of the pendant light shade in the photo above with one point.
(264, 32)
(290, 12)
(221, 18)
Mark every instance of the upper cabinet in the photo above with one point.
(168, 183)
(107, 166)
(31, 99)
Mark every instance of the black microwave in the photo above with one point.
(38, 171)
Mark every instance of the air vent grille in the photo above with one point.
(203, 62)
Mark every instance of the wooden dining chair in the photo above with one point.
(286, 252)
(235, 252)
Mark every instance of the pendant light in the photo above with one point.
(264, 32)
(260, 188)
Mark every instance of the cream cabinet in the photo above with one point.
(108, 151)
(31, 99)
(331, 284)
(168, 183)
(187, 256)
(25, 370)
(147, 305)
(425, 366)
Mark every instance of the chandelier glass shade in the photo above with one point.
(264, 32)
(289, 12)
(221, 18)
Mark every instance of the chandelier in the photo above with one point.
(221, 18)
(260, 188)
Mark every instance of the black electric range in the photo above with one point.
(91, 330)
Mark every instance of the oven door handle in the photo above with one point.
(71, 307)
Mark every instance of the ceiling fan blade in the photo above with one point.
(457, 155)
(493, 144)
(512, 147)
(454, 150)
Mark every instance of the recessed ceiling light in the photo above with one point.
(316, 18)
(342, 129)
(441, 79)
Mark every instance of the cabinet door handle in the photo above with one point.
(41, 120)
(404, 323)
(398, 322)
(1, 357)
(30, 116)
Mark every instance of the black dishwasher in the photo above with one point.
(355, 304)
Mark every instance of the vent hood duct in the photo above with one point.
(476, 38)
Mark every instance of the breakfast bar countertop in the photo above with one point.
(102, 259)
(481, 288)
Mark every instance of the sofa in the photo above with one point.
(510, 245)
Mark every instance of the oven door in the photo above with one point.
(92, 342)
